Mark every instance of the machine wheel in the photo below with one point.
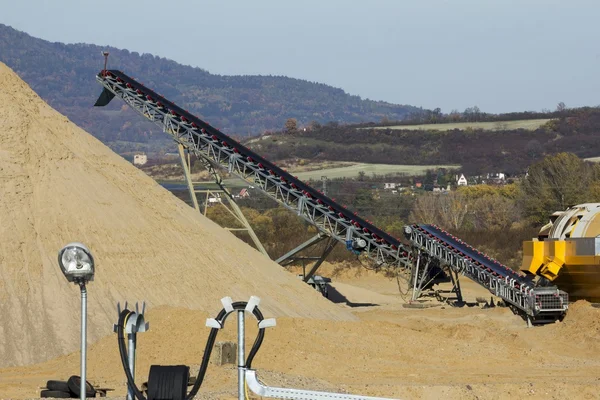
(74, 383)
(61, 386)
(55, 394)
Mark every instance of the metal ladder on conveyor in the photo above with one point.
(334, 222)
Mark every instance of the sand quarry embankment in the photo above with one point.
(59, 184)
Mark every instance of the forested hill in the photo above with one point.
(64, 76)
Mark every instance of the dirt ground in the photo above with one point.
(392, 351)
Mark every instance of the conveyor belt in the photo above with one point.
(542, 304)
(465, 250)
(326, 215)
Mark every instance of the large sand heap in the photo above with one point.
(59, 184)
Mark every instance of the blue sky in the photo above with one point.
(501, 55)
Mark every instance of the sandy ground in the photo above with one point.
(58, 184)
(439, 352)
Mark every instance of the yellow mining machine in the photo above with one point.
(567, 252)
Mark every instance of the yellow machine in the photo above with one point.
(567, 252)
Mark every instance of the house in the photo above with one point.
(140, 159)
(461, 181)
(244, 193)
(392, 186)
(498, 178)
(214, 199)
(418, 184)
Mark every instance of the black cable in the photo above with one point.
(259, 338)
(221, 317)
(204, 365)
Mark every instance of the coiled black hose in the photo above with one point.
(221, 317)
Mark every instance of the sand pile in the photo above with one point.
(59, 184)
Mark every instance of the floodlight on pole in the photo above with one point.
(77, 264)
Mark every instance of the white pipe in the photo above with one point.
(285, 393)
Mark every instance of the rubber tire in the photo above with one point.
(74, 385)
(57, 394)
(61, 386)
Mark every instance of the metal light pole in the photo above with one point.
(77, 264)
(83, 362)
(241, 356)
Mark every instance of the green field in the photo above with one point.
(529, 124)
(352, 171)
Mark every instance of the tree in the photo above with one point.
(363, 201)
(430, 177)
(555, 183)
(561, 107)
(291, 125)
(452, 210)
(314, 125)
(436, 114)
(447, 210)
(424, 209)
(455, 115)
(534, 148)
(493, 212)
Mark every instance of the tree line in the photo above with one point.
(472, 114)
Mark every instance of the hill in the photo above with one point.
(59, 184)
(64, 76)
(478, 150)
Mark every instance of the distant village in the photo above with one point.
(498, 178)
(413, 186)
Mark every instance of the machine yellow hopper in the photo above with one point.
(567, 252)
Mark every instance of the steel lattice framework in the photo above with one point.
(218, 151)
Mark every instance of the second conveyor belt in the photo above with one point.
(542, 304)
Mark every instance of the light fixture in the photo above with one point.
(77, 265)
